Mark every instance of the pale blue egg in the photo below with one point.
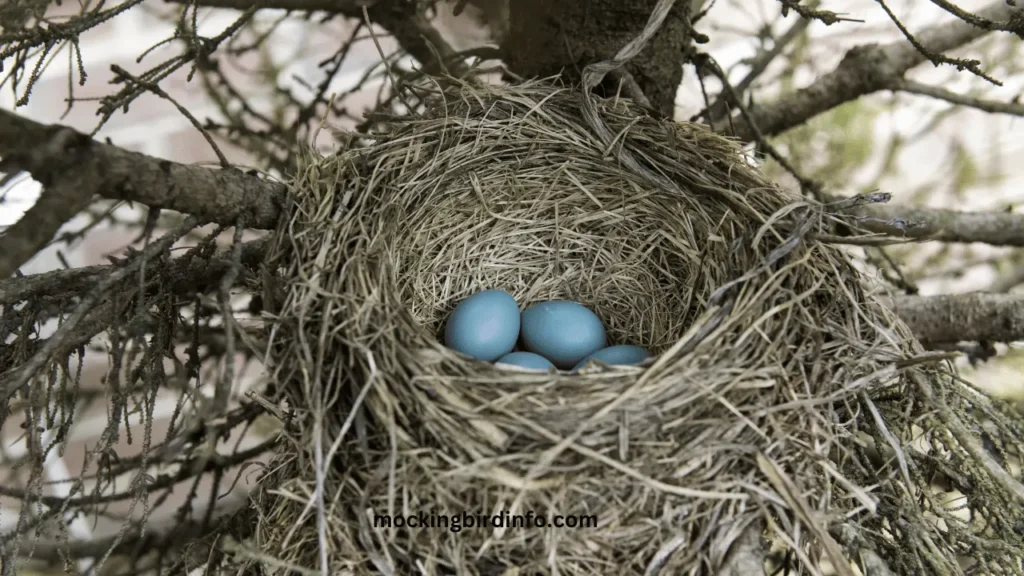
(622, 355)
(484, 326)
(561, 331)
(526, 360)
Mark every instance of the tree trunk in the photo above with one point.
(549, 37)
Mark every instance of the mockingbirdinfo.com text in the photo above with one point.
(458, 522)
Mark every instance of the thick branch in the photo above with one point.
(30, 234)
(975, 316)
(864, 70)
(995, 228)
(92, 167)
(416, 35)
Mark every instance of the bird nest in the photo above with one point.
(787, 418)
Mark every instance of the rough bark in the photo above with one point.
(546, 38)
(866, 69)
(91, 167)
(969, 317)
(995, 228)
(413, 31)
(36, 229)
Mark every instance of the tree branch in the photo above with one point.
(135, 542)
(336, 6)
(975, 316)
(187, 469)
(417, 36)
(12, 380)
(30, 234)
(109, 171)
(410, 27)
(933, 319)
(991, 106)
(1010, 26)
(866, 69)
(827, 17)
(58, 203)
(758, 65)
(188, 275)
(995, 228)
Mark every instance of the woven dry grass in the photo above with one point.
(783, 397)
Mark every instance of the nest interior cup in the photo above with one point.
(508, 188)
(577, 245)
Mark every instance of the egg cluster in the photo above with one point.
(553, 334)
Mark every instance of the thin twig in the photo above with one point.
(991, 106)
(806, 184)
(865, 69)
(186, 471)
(826, 17)
(757, 67)
(1014, 25)
(155, 89)
(936, 58)
(222, 393)
(14, 380)
(189, 275)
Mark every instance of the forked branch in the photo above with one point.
(866, 69)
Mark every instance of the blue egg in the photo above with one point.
(526, 360)
(622, 355)
(484, 326)
(563, 332)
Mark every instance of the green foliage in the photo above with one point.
(833, 146)
(965, 170)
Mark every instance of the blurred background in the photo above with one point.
(925, 152)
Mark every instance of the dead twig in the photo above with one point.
(991, 106)
(15, 379)
(864, 70)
